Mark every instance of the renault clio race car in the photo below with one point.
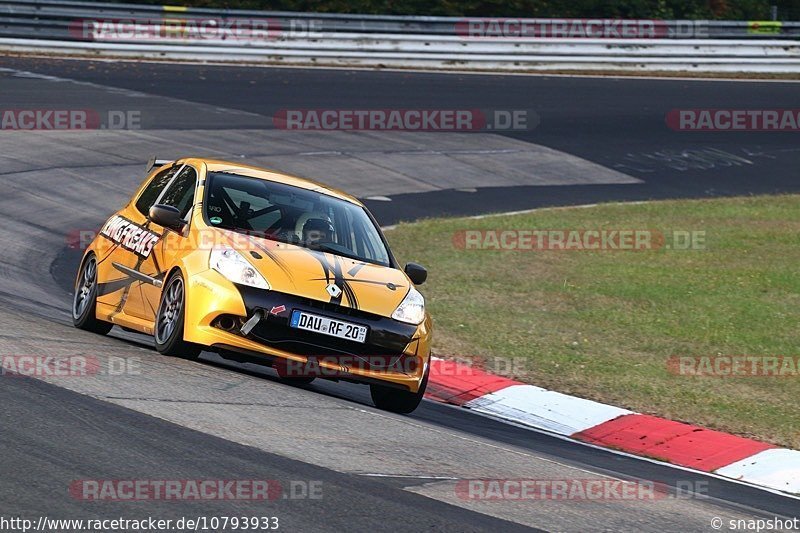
(264, 267)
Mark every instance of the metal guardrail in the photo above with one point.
(163, 32)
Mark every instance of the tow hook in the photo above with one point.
(251, 323)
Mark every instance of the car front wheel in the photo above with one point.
(170, 319)
(396, 400)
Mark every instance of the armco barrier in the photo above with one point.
(159, 32)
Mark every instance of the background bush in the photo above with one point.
(657, 9)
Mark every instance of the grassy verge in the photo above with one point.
(604, 324)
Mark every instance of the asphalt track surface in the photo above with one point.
(615, 122)
(173, 419)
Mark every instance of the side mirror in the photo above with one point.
(416, 273)
(167, 217)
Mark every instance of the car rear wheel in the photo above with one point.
(398, 401)
(84, 303)
(170, 319)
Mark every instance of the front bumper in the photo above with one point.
(394, 354)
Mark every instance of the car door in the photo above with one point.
(125, 243)
(180, 194)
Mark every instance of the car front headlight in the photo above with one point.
(412, 309)
(236, 268)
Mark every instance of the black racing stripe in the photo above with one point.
(338, 279)
(347, 289)
(110, 251)
(151, 307)
(327, 269)
(353, 271)
(155, 265)
(324, 262)
(124, 299)
(368, 281)
(113, 286)
(160, 273)
(351, 295)
(139, 262)
(272, 255)
(126, 291)
(126, 284)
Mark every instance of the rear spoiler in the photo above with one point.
(156, 163)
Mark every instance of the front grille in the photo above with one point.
(386, 337)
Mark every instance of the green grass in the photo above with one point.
(602, 325)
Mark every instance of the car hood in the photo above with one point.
(308, 273)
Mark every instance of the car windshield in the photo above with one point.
(293, 215)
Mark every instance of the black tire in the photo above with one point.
(168, 327)
(281, 368)
(297, 381)
(84, 301)
(396, 400)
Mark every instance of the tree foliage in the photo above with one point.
(645, 9)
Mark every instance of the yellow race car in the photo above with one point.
(260, 266)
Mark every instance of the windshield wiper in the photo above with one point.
(322, 247)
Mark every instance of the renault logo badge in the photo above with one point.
(333, 290)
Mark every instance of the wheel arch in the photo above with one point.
(166, 278)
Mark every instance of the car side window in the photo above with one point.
(367, 242)
(153, 190)
(181, 193)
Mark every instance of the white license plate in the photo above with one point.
(328, 326)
